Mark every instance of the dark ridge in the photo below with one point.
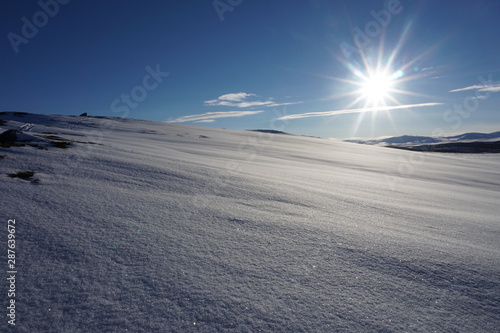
(9, 136)
(458, 147)
(22, 174)
(15, 113)
(61, 144)
(270, 131)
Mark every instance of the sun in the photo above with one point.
(378, 79)
(376, 88)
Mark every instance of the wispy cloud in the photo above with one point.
(480, 87)
(428, 68)
(235, 97)
(337, 112)
(434, 72)
(282, 104)
(205, 121)
(241, 100)
(241, 104)
(474, 87)
(210, 116)
(432, 68)
(491, 89)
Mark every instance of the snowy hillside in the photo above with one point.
(124, 225)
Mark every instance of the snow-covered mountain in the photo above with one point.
(125, 225)
(475, 136)
(410, 141)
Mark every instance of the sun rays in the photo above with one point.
(380, 79)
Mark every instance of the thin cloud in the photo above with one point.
(240, 100)
(205, 121)
(432, 68)
(235, 97)
(491, 89)
(210, 116)
(426, 69)
(282, 104)
(239, 104)
(337, 112)
(474, 87)
(434, 72)
(480, 88)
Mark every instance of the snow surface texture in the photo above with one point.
(140, 226)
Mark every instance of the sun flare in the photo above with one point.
(376, 88)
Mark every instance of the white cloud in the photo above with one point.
(205, 121)
(235, 97)
(481, 88)
(239, 104)
(432, 68)
(427, 69)
(474, 87)
(491, 89)
(240, 100)
(337, 112)
(282, 104)
(210, 116)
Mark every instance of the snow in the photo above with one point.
(152, 227)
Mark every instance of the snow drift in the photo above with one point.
(137, 226)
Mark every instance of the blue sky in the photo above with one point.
(297, 66)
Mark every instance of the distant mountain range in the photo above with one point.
(270, 131)
(463, 143)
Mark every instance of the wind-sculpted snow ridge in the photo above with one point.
(142, 226)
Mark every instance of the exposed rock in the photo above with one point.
(9, 136)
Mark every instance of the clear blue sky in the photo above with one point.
(245, 64)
